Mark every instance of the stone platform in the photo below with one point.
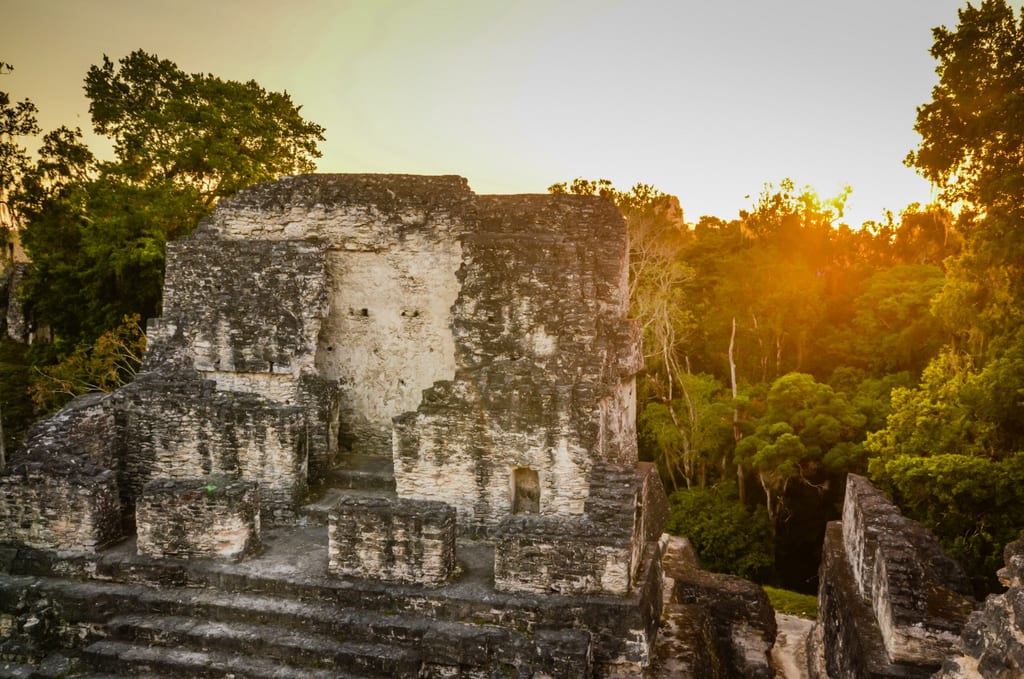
(123, 613)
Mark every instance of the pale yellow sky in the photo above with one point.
(706, 100)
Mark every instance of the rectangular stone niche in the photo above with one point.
(198, 518)
(409, 541)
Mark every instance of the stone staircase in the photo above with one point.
(360, 475)
(278, 614)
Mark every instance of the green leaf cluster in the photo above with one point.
(96, 232)
(974, 504)
(728, 537)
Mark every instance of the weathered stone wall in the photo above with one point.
(603, 551)
(564, 555)
(180, 428)
(74, 514)
(890, 601)
(742, 619)
(393, 540)
(545, 363)
(60, 489)
(393, 249)
(210, 517)
(15, 322)
(306, 314)
(245, 306)
(992, 644)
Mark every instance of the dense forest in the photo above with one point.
(785, 348)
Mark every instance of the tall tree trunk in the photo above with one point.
(778, 354)
(736, 433)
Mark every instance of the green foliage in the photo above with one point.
(15, 407)
(688, 436)
(972, 136)
(96, 232)
(974, 505)
(896, 330)
(195, 130)
(957, 409)
(17, 119)
(728, 537)
(972, 146)
(807, 430)
(792, 603)
(104, 366)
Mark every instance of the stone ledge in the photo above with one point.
(919, 595)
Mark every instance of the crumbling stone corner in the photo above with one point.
(61, 491)
(891, 602)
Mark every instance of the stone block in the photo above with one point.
(992, 643)
(59, 512)
(919, 595)
(742, 618)
(178, 428)
(562, 555)
(408, 541)
(198, 518)
(59, 491)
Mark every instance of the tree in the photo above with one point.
(15, 408)
(690, 436)
(895, 329)
(773, 286)
(17, 119)
(807, 431)
(974, 505)
(108, 364)
(194, 130)
(96, 232)
(972, 147)
(728, 537)
(972, 135)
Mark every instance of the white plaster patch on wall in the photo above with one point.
(542, 344)
(388, 334)
(568, 478)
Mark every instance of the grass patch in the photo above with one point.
(793, 603)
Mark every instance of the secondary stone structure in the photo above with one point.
(383, 393)
(891, 602)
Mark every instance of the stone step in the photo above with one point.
(315, 512)
(295, 647)
(363, 472)
(128, 659)
(471, 644)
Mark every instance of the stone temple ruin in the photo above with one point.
(384, 391)
(385, 428)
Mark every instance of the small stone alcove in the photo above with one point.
(525, 491)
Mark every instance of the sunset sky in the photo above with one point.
(705, 100)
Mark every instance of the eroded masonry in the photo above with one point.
(412, 365)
